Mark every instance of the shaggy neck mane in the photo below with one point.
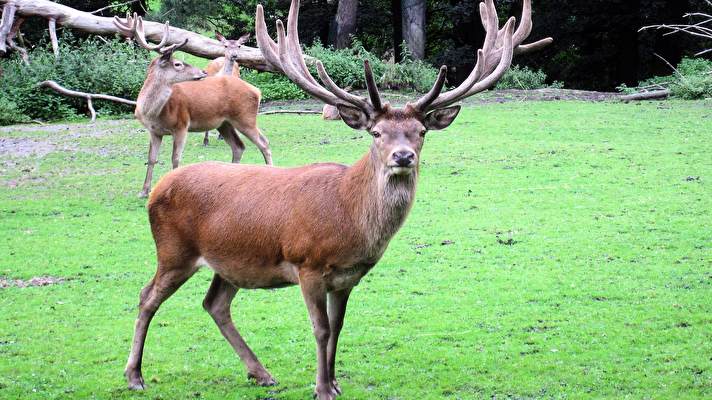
(153, 95)
(379, 202)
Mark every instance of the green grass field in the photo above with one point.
(555, 250)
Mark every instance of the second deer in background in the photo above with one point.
(218, 66)
(177, 98)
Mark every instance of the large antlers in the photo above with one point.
(493, 59)
(133, 28)
(286, 56)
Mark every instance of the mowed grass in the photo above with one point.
(555, 250)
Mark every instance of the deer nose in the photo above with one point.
(403, 158)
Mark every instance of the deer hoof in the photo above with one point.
(143, 194)
(135, 381)
(336, 387)
(325, 393)
(262, 379)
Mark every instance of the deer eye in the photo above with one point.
(177, 65)
(376, 134)
(423, 132)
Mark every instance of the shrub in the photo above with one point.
(10, 113)
(525, 79)
(345, 66)
(273, 86)
(692, 80)
(115, 68)
(409, 74)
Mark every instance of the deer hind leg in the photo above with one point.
(235, 143)
(168, 278)
(217, 304)
(153, 149)
(255, 135)
(206, 140)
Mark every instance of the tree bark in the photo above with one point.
(397, 22)
(346, 15)
(414, 26)
(198, 45)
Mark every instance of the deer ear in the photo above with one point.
(244, 38)
(219, 37)
(441, 118)
(354, 117)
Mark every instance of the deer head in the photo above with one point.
(399, 133)
(232, 47)
(163, 68)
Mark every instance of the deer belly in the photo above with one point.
(339, 278)
(254, 276)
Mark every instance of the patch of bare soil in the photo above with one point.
(36, 281)
(25, 147)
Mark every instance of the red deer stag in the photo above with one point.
(232, 68)
(321, 226)
(177, 98)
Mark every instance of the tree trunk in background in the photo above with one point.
(397, 21)
(414, 26)
(345, 22)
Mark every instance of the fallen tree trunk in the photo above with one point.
(88, 96)
(656, 94)
(198, 45)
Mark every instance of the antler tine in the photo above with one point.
(454, 95)
(371, 86)
(266, 44)
(496, 55)
(299, 79)
(140, 36)
(173, 47)
(286, 56)
(425, 101)
(126, 28)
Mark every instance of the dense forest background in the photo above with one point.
(597, 44)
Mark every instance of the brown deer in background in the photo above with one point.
(320, 226)
(177, 98)
(219, 67)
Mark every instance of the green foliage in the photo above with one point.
(115, 68)
(9, 112)
(409, 74)
(525, 78)
(691, 80)
(345, 66)
(273, 86)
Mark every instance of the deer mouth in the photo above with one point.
(401, 170)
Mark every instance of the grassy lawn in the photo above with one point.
(555, 250)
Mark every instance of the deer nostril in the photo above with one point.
(403, 158)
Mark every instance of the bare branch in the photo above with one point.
(657, 94)
(88, 96)
(11, 40)
(113, 6)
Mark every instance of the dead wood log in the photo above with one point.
(652, 95)
(88, 96)
(198, 45)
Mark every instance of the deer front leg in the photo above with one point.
(178, 145)
(206, 140)
(337, 310)
(153, 149)
(314, 293)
